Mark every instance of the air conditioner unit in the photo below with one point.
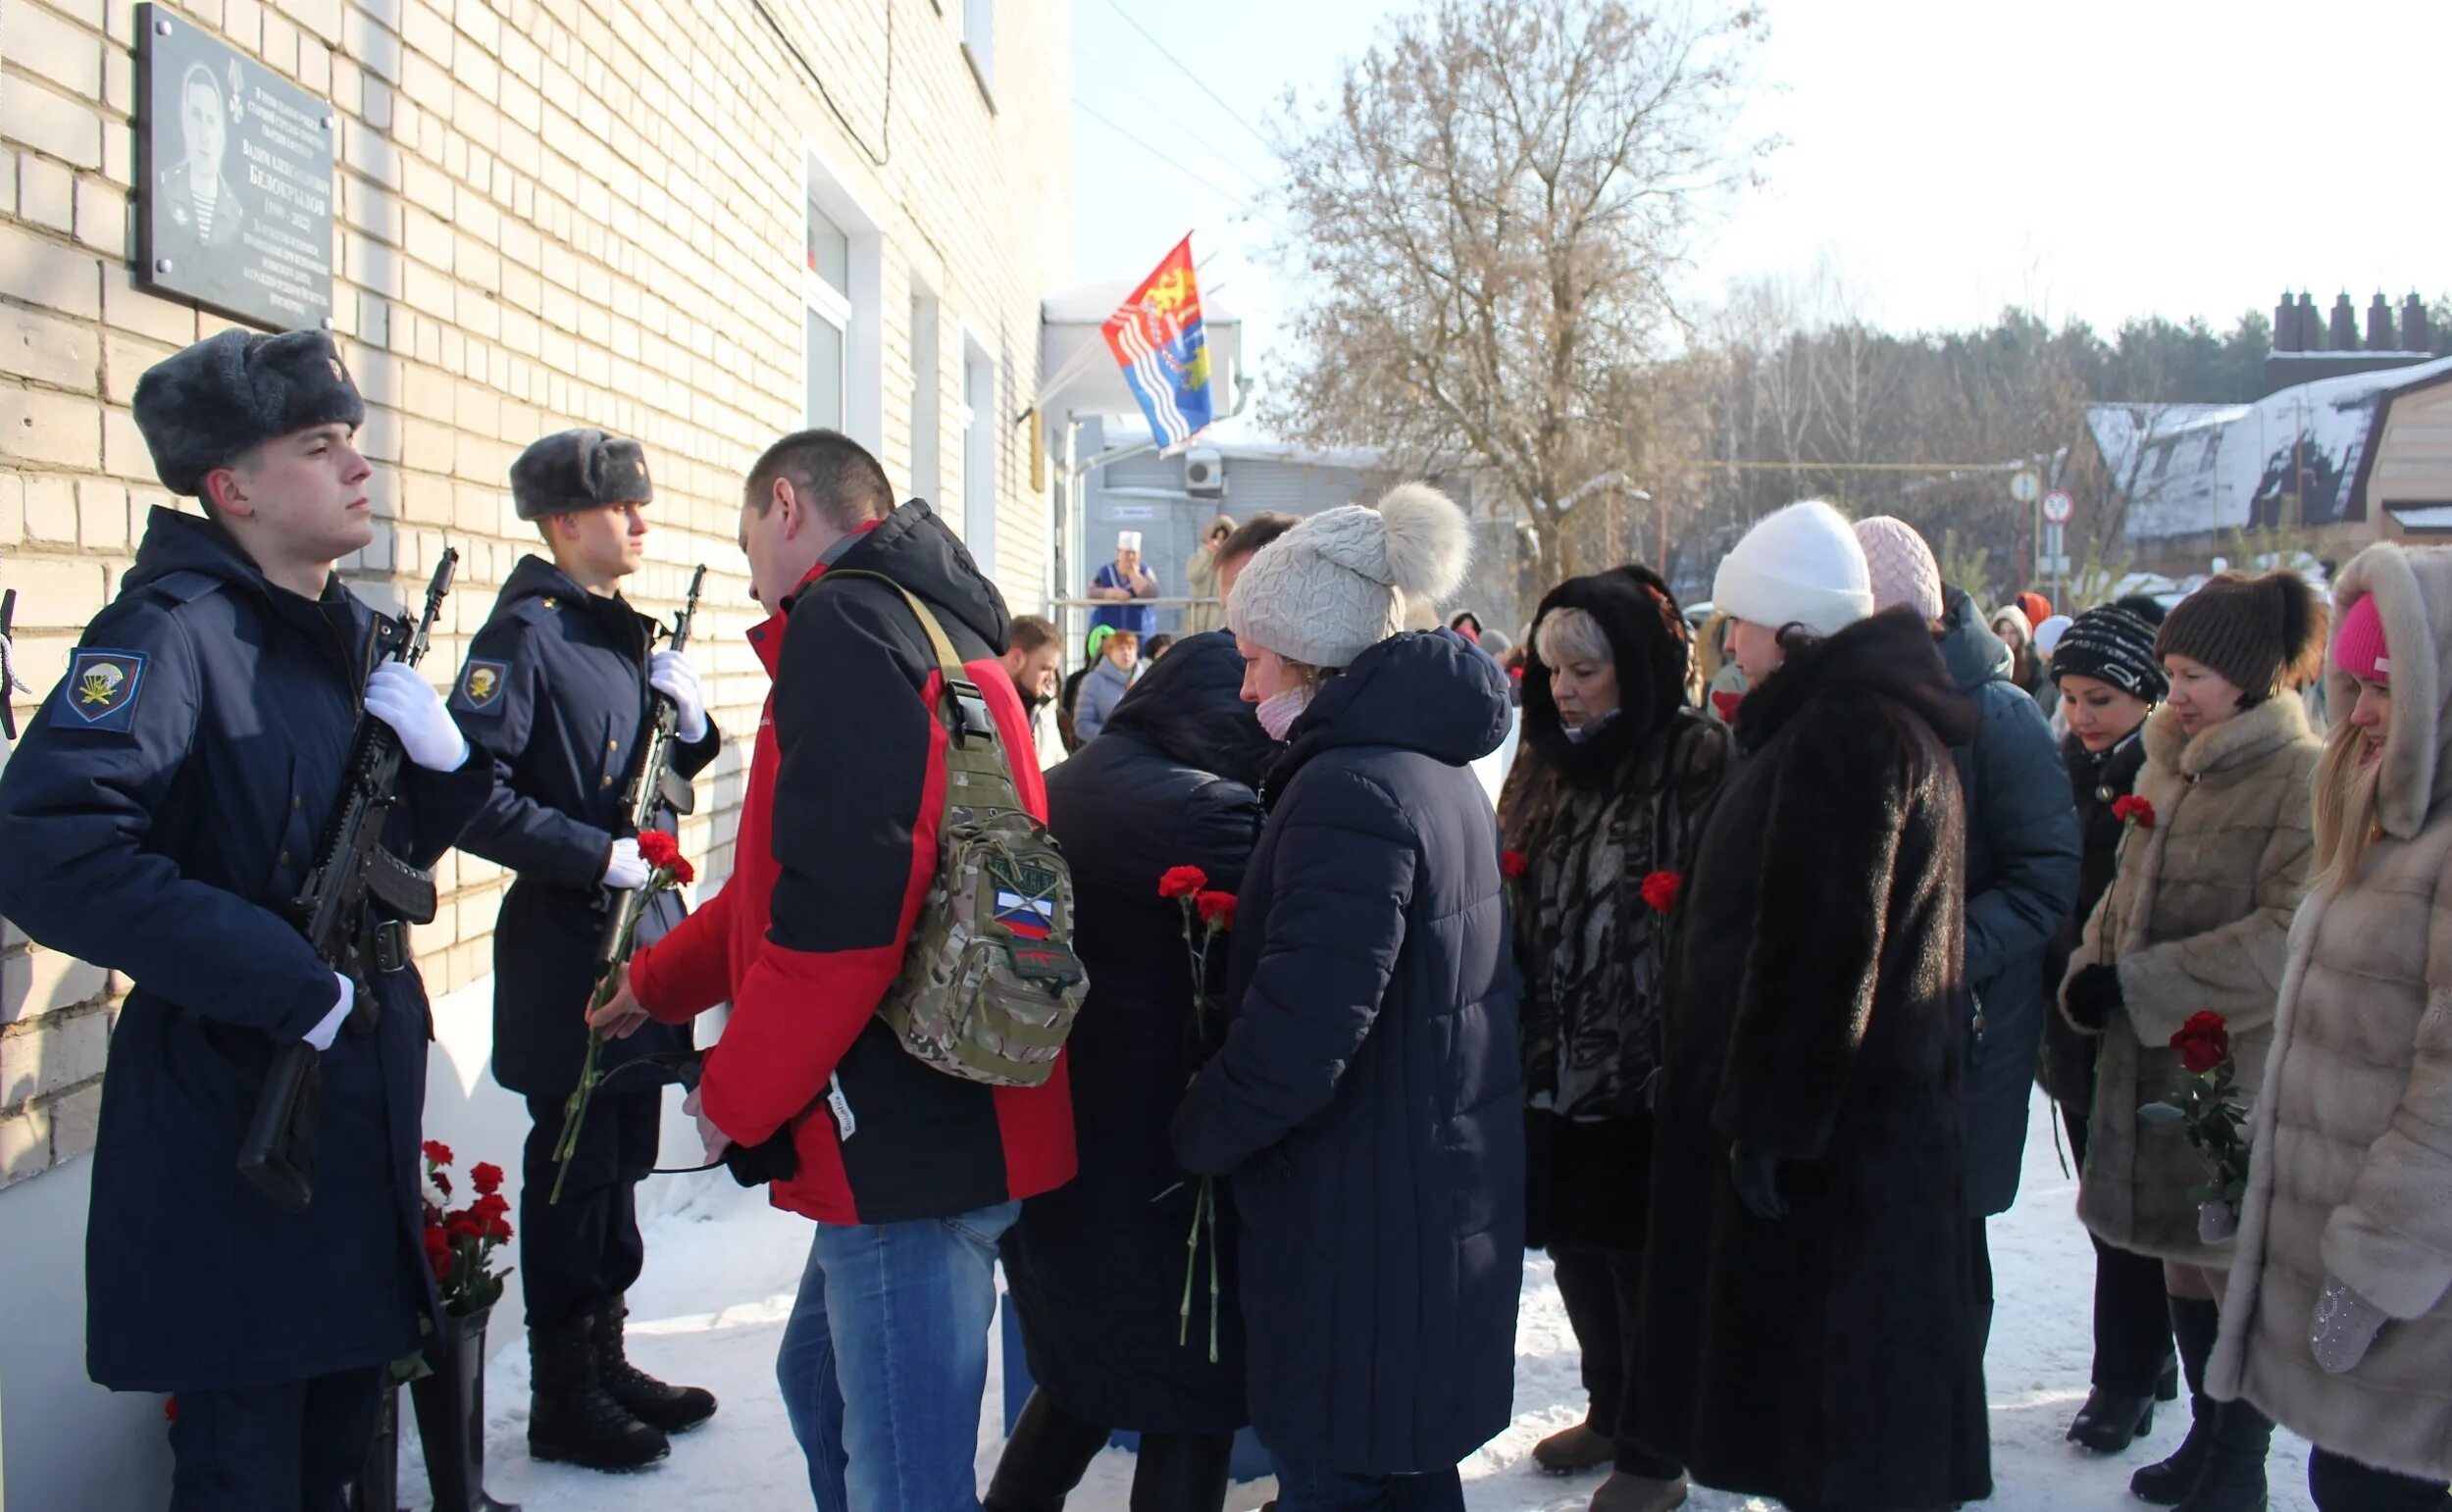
(1204, 472)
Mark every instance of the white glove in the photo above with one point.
(626, 868)
(671, 674)
(409, 704)
(713, 1138)
(328, 1028)
(2345, 1325)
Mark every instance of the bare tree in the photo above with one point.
(1489, 212)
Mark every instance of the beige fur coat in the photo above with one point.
(2352, 1176)
(2196, 920)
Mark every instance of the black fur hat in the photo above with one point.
(1649, 648)
(2260, 634)
(575, 470)
(236, 391)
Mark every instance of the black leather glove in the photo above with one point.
(1757, 1178)
(755, 1165)
(2093, 995)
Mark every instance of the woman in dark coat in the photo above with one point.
(1096, 1269)
(1610, 790)
(1814, 1336)
(1365, 1102)
(2109, 680)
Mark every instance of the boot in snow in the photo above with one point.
(2194, 1323)
(2234, 1477)
(1574, 1450)
(669, 1409)
(1623, 1493)
(571, 1417)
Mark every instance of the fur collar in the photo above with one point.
(2412, 591)
(2232, 748)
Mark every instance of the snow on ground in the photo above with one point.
(722, 1271)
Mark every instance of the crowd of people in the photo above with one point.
(1734, 1004)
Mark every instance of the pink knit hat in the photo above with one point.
(2360, 649)
(1903, 568)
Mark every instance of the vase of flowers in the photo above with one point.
(450, 1395)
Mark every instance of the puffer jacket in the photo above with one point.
(2352, 1176)
(2196, 922)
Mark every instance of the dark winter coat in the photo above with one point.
(1097, 1267)
(1365, 1101)
(158, 823)
(554, 693)
(1592, 819)
(2022, 888)
(836, 850)
(2095, 782)
(1831, 1357)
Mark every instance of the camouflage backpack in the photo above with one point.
(989, 984)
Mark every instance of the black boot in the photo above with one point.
(2111, 1421)
(571, 1417)
(1182, 1472)
(2194, 1324)
(2234, 1477)
(670, 1409)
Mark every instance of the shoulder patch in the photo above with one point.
(101, 690)
(481, 686)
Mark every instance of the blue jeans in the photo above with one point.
(1317, 1489)
(886, 1359)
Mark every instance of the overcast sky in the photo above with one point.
(2086, 159)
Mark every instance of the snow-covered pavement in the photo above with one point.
(721, 1272)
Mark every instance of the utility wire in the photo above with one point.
(1162, 110)
(1239, 201)
(1198, 81)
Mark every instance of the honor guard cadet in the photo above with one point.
(557, 691)
(164, 810)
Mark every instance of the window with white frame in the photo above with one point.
(826, 294)
(927, 400)
(978, 20)
(979, 454)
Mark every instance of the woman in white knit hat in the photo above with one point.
(1816, 1338)
(1365, 1102)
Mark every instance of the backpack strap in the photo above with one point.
(967, 715)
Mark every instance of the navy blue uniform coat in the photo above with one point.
(1366, 1102)
(554, 694)
(161, 832)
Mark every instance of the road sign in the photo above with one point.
(2025, 485)
(2052, 566)
(2057, 506)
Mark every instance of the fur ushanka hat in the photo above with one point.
(231, 393)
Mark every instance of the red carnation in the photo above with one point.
(170, 1409)
(1659, 890)
(659, 849)
(498, 1231)
(1218, 909)
(439, 1153)
(486, 1178)
(491, 1205)
(436, 1240)
(1513, 863)
(443, 1182)
(2203, 1042)
(440, 1260)
(1181, 882)
(464, 1224)
(2133, 810)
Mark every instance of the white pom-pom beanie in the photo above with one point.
(1800, 566)
(1345, 580)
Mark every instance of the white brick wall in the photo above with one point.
(548, 213)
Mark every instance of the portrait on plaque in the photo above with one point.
(235, 210)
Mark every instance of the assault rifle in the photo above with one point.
(652, 786)
(351, 867)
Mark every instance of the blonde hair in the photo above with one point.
(1571, 634)
(2344, 807)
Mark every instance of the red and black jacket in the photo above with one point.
(836, 850)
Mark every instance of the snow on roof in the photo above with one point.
(2194, 468)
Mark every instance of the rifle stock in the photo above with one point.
(278, 1154)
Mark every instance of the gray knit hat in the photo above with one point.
(1343, 580)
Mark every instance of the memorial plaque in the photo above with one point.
(234, 179)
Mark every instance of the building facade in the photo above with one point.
(701, 223)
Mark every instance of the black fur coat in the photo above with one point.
(1832, 1357)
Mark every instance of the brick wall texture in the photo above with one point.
(547, 213)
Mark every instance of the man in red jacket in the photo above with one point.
(910, 1173)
